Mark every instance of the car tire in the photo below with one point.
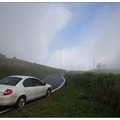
(48, 92)
(21, 102)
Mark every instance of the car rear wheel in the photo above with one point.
(21, 102)
(48, 92)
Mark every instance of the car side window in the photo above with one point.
(37, 82)
(28, 83)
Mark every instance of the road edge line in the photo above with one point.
(7, 110)
(60, 85)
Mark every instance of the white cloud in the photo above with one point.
(27, 29)
(101, 43)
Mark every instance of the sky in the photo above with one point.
(62, 35)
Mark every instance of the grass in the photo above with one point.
(62, 105)
(84, 95)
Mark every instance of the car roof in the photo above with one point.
(22, 76)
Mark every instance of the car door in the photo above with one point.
(40, 87)
(29, 89)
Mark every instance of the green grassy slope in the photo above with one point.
(14, 66)
(84, 95)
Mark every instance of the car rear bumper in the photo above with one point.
(7, 100)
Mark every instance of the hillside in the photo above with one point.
(14, 66)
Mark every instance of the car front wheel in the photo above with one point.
(48, 92)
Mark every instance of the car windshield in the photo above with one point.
(12, 81)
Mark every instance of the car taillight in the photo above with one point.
(8, 92)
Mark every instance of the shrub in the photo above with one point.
(101, 87)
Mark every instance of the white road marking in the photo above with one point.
(60, 85)
(5, 110)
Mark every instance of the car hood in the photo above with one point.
(48, 85)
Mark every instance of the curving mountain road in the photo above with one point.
(55, 80)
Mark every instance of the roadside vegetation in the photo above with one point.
(83, 95)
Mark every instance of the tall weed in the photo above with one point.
(102, 87)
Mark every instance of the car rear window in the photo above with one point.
(12, 81)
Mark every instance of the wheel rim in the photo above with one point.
(21, 103)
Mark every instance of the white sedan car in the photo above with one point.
(17, 90)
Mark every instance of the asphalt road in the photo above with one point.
(55, 80)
